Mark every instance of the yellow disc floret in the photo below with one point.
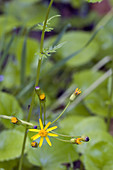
(43, 133)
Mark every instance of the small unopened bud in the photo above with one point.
(85, 138)
(14, 120)
(34, 144)
(38, 90)
(42, 97)
(35, 127)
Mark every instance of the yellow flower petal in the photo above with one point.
(35, 137)
(48, 124)
(52, 134)
(41, 125)
(41, 141)
(52, 128)
(34, 130)
(48, 141)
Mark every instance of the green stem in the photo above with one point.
(36, 84)
(43, 31)
(61, 113)
(29, 115)
(44, 113)
(111, 102)
(62, 140)
(68, 136)
(40, 110)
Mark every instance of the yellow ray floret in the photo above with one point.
(43, 133)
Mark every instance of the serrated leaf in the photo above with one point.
(11, 144)
(9, 106)
(47, 156)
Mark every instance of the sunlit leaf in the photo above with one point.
(11, 144)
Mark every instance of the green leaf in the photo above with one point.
(89, 75)
(11, 144)
(75, 52)
(9, 165)
(9, 106)
(7, 23)
(11, 75)
(31, 47)
(29, 1)
(94, 1)
(67, 124)
(47, 156)
(100, 156)
(97, 101)
(87, 125)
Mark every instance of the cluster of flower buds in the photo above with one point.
(75, 94)
(41, 95)
(79, 140)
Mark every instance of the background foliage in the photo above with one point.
(83, 61)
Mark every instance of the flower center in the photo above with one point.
(43, 133)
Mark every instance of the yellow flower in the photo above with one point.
(43, 133)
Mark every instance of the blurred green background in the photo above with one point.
(84, 61)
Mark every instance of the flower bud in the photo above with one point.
(35, 127)
(14, 120)
(34, 144)
(85, 138)
(42, 97)
(77, 91)
(75, 94)
(38, 90)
